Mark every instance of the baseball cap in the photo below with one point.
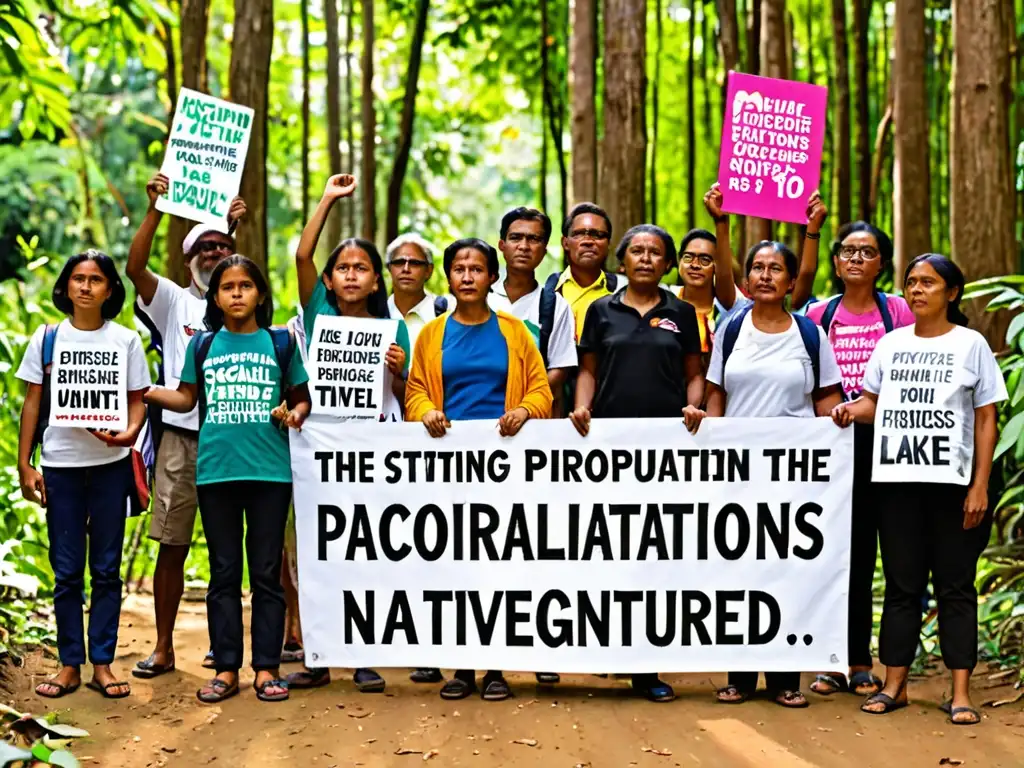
(198, 231)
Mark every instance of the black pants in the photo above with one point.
(775, 682)
(863, 548)
(921, 532)
(264, 506)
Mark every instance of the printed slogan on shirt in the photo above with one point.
(240, 388)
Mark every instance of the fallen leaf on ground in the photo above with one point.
(359, 714)
(653, 751)
(825, 730)
(525, 742)
(430, 754)
(406, 751)
(1001, 702)
(951, 761)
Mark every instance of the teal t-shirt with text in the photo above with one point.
(237, 439)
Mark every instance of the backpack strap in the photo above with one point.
(203, 340)
(546, 312)
(440, 306)
(812, 343)
(284, 350)
(830, 312)
(46, 355)
(612, 281)
(551, 284)
(883, 307)
(729, 336)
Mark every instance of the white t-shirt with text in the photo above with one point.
(770, 374)
(562, 344)
(928, 389)
(74, 446)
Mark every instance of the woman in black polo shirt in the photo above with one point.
(640, 357)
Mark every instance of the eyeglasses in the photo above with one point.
(518, 237)
(411, 263)
(206, 246)
(701, 258)
(588, 234)
(866, 252)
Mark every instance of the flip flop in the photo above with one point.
(292, 653)
(209, 662)
(837, 683)
(791, 700)
(731, 690)
(548, 678)
(659, 691)
(954, 711)
(457, 688)
(219, 691)
(368, 681)
(309, 678)
(104, 690)
(858, 679)
(62, 690)
(426, 675)
(147, 669)
(496, 689)
(261, 690)
(891, 705)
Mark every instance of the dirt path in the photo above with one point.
(585, 721)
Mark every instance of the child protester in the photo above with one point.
(86, 478)
(243, 469)
(351, 284)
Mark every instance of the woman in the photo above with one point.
(86, 477)
(243, 469)
(640, 358)
(855, 321)
(932, 519)
(475, 364)
(350, 285)
(768, 363)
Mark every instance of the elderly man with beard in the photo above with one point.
(175, 313)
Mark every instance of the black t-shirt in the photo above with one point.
(640, 359)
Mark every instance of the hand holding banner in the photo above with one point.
(205, 156)
(346, 365)
(772, 138)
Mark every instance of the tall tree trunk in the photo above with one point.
(705, 45)
(982, 197)
(625, 133)
(809, 14)
(691, 119)
(861, 19)
(304, 11)
(583, 76)
(192, 34)
(333, 114)
(412, 81)
(249, 79)
(773, 58)
(754, 37)
(369, 120)
(350, 131)
(843, 194)
(542, 175)
(911, 198)
(729, 35)
(882, 136)
(554, 105)
(655, 114)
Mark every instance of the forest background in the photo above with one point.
(450, 112)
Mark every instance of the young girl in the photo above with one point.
(243, 468)
(936, 518)
(86, 474)
(351, 285)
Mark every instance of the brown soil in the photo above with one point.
(584, 721)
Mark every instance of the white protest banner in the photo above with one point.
(640, 548)
(88, 387)
(205, 156)
(346, 365)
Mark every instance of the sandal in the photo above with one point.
(457, 688)
(292, 653)
(147, 669)
(217, 691)
(62, 690)
(659, 691)
(833, 683)
(209, 662)
(495, 689)
(548, 678)
(862, 680)
(261, 690)
(954, 711)
(731, 691)
(791, 700)
(309, 678)
(890, 704)
(426, 675)
(95, 685)
(368, 681)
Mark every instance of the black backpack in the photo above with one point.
(49, 340)
(808, 334)
(284, 350)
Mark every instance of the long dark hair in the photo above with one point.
(951, 275)
(647, 229)
(112, 306)
(884, 249)
(376, 302)
(264, 310)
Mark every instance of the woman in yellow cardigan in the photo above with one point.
(470, 365)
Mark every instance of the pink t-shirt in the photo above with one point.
(853, 337)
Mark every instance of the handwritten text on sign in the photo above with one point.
(639, 548)
(771, 147)
(346, 365)
(88, 387)
(205, 156)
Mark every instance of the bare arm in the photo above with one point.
(30, 479)
(804, 288)
(342, 185)
(725, 281)
(694, 380)
(716, 400)
(826, 399)
(142, 278)
(986, 434)
(180, 400)
(586, 381)
(556, 380)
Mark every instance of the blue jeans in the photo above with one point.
(87, 503)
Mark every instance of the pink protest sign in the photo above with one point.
(771, 147)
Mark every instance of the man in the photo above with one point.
(410, 261)
(586, 235)
(175, 313)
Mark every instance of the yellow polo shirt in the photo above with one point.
(581, 298)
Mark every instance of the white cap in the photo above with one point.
(198, 231)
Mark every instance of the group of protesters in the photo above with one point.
(502, 346)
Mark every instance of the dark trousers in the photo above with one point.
(921, 532)
(775, 682)
(863, 548)
(264, 508)
(87, 504)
